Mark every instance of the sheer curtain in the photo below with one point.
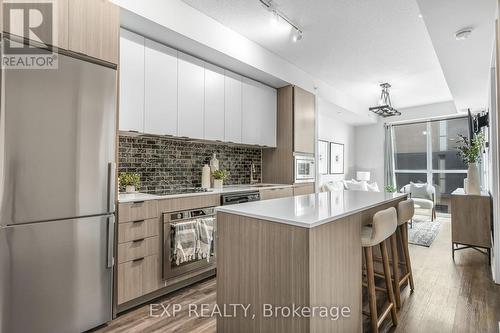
(389, 176)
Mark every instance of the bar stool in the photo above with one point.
(383, 226)
(406, 210)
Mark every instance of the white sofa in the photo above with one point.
(423, 195)
(352, 185)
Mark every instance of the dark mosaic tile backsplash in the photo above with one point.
(169, 164)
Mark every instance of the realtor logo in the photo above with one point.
(33, 30)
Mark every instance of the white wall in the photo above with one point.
(332, 128)
(369, 139)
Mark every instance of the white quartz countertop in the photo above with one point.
(133, 197)
(311, 210)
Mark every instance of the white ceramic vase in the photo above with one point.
(130, 189)
(218, 183)
(473, 181)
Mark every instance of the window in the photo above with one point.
(426, 152)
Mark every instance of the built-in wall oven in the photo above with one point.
(188, 241)
(304, 169)
(189, 237)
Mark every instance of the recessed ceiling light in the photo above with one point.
(463, 34)
(420, 15)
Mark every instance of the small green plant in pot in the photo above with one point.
(390, 189)
(129, 181)
(470, 151)
(219, 177)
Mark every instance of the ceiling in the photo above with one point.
(354, 45)
(466, 63)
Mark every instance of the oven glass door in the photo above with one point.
(183, 253)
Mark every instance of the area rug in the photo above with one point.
(424, 231)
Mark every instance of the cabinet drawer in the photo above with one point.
(138, 249)
(138, 277)
(141, 210)
(275, 193)
(131, 231)
(303, 189)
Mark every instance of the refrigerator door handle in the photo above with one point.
(111, 241)
(111, 186)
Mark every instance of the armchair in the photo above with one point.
(423, 195)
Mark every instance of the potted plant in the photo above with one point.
(470, 151)
(390, 189)
(129, 181)
(219, 177)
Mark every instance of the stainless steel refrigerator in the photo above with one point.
(57, 196)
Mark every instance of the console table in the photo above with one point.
(471, 222)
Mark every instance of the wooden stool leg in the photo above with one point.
(406, 251)
(370, 276)
(388, 282)
(395, 268)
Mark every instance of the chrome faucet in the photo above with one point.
(252, 172)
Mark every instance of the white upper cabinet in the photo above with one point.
(191, 91)
(131, 81)
(160, 106)
(258, 113)
(214, 102)
(232, 87)
(166, 92)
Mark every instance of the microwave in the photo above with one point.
(304, 169)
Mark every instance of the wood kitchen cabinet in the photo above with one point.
(160, 90)
(138, 277)
(214, 103)
(60, 35)
(131, 81)
(191, 96)
(295, 134)
(275, 193)
(89, 27)
(94, 28)
(138, 250)
(304, 121)
(303, 189)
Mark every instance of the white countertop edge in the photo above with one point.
(133, 197)
(228, 210)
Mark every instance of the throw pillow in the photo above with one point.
(420, 191)
(373, 187)
(358, 186)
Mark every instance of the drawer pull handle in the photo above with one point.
(138, 221)
(138, 202)
(138, 259)
(138, 240)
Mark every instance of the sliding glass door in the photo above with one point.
(426, 152)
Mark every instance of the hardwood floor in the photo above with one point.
(449, 297)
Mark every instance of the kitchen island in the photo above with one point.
(294, 264)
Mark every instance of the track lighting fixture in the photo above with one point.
(277, 16)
